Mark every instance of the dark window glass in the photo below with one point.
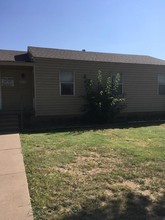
(161, 89)
(161, 82)
(67, 89)
(67, 83)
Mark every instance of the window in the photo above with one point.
(161, 84)
(66, 83)
(120, 87)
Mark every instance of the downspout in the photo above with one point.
(34, 84)
(34, 81)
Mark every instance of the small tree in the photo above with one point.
(103, 99)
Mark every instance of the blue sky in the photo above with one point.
(117, 26)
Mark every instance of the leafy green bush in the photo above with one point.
(103, 99)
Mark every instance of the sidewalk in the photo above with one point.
(14, 194)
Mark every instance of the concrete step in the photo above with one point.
(9, 123)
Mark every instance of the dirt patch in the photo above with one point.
(89, 165)
(148, 194)
(136, 188)
(148, 181)
(131, 185)
(109, 192)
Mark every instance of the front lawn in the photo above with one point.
(106, 174)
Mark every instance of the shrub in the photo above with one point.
(103, 101)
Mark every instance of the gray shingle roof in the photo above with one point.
(93, 56)
(12, 55)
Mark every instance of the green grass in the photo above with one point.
(97, 174)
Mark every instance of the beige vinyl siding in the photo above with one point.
(140, 85)
(141, 89)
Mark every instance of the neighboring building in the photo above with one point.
(50, 82)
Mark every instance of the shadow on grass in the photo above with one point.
(80, 128)
(132, 207)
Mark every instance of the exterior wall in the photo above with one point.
(19, 96)
(140, 86)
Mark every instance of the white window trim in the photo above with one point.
(73, 83)
(158, 83)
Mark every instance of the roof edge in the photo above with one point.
(67, 54)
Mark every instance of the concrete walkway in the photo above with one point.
(14, 194)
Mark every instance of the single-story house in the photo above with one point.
(50, 82)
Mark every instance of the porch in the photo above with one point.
(16, 95)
